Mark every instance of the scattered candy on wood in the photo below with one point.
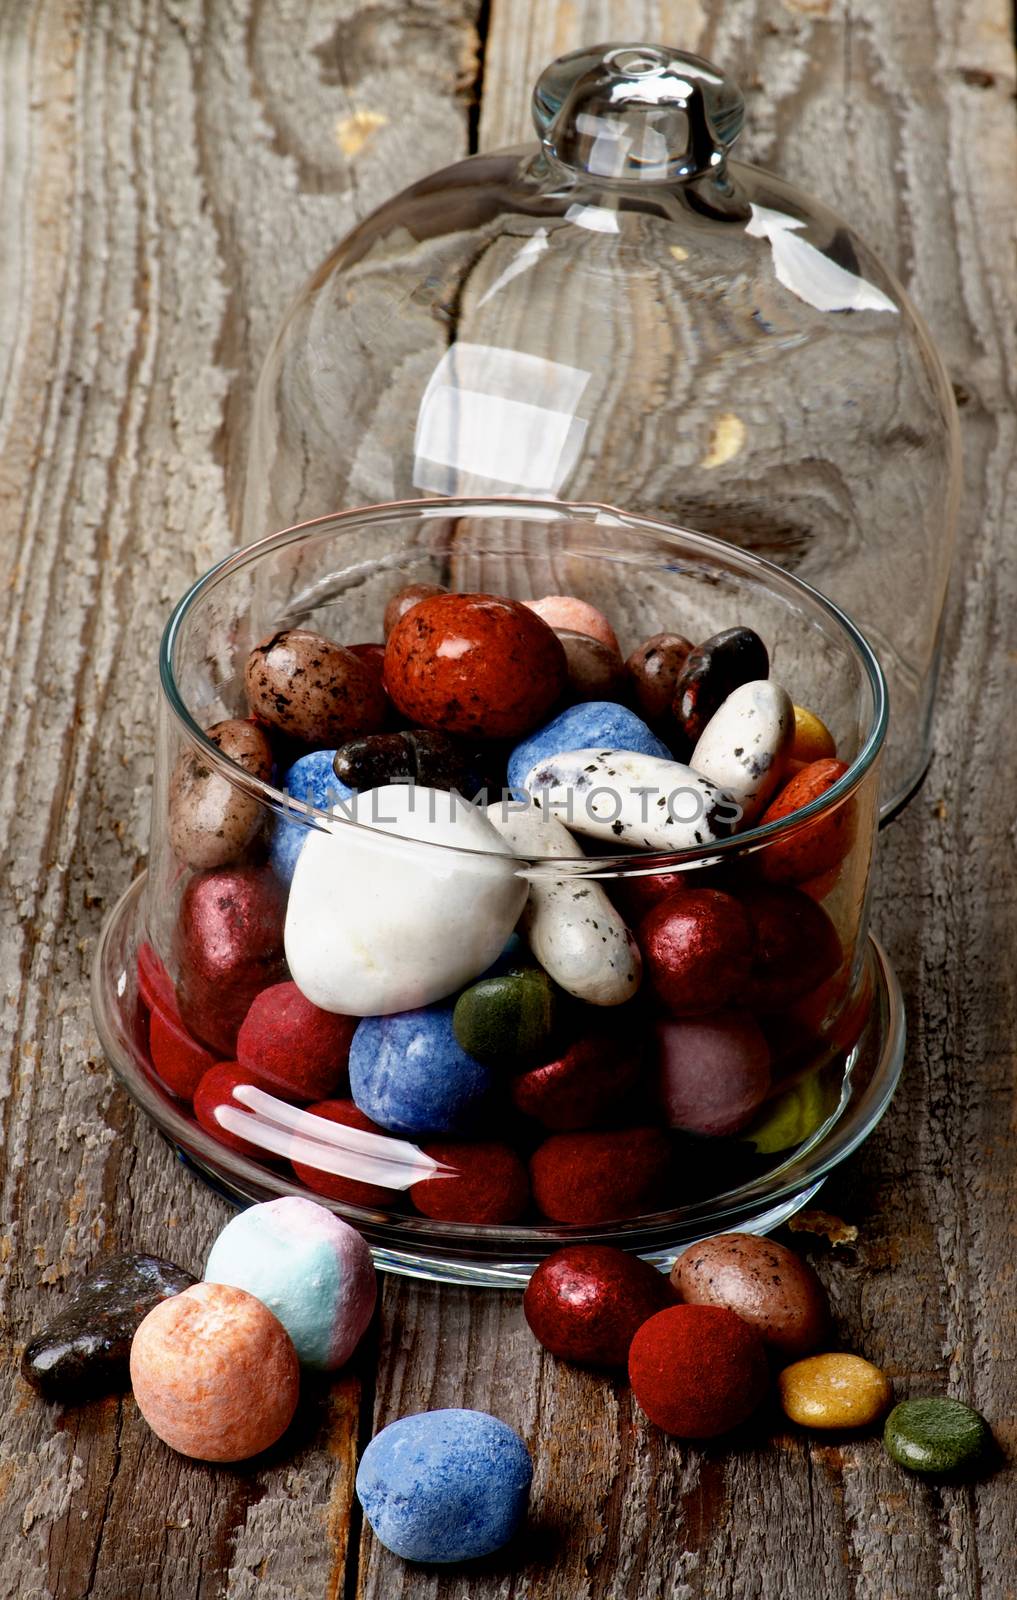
(813, 740)
(488, 1183)
(697, 1371)
(293, 1047)
(594, 668)
(712, 671)
(417, 755)
(351, 1191)
(698, 945)
(313, 689)
(311, 1269)
(86, 1348)
(590, 1082)
(179, 1059)
(211, 819)
(835, 1390)
(228, 946)
(585, 1303)
(634, 801)
(567, 611)
(409, 1073)
(937, 1437)
(600, 1177)
(310, 781)
(474, 664)
(370, 912)
(445, 1486)
(795, 947)
(813, 847)
(713, 1072)
(745, 746)
(507, 1019)
(600, 724)
(405, 599)
(215, 1374)
(767, 1285)
(652, 671)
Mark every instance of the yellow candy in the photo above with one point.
(813, 740)
(834, 1391)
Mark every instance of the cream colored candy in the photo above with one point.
(745, 746)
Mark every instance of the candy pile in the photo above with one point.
(560, 1046)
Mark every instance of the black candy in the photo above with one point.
(434, 759)
(85, 1351)
(712, 671)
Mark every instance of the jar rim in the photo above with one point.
(637, 863)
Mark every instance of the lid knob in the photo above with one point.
(637, 111)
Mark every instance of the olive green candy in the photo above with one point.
(508, 1018)
(792, 1117)
(936, 1436)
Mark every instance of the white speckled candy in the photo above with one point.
(635, 800)
(746, 744)
(569, 923)
(377, 924)
(312, 1270)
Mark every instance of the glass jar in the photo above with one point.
(260, 875)
(625, 313)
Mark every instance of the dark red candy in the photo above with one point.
(796, 947)
(698, 1371)
(291, 1045)
(652, 671)
(697, 945)
(215, 1090)
(585, 1303)
(600, 1177)
(490, 1184)
(713, 1072)
(474, 664)
(581, 1087)
(715, 669)
(349, 1190)
(635, 896)
(373, 656)
(228, 946)
(155, 985)
(180, 1061)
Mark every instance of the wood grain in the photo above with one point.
(171, 172)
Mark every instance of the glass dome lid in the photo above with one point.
(623, 313)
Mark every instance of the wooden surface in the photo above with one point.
(171, 170)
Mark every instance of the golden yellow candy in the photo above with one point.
(834, 1391)
(813, 740)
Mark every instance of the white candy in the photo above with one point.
(377, 923)
(635, 800)
(745, 746)
(569, 923)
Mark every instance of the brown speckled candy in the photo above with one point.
(697, 945)
(714, 670)
(405, 599)
(769, 1287)
(228, 946)
(474, 664)
(211, 820)
(595, 668)
(652, 672)
(313, 689)
(584, 1303)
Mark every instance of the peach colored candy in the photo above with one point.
(214, 1373)
(566, 611)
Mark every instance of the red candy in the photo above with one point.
(714, 1072)
(816, 846)
(490, 1184)
(581, 1087)
(215, 1090)
(475, 664)
(294, 1046)
(155, 985)
(180, 1061)
(600, 1177)
(585, 1303)
(796, 947)
(697, 1371)
(637, 895)
(698, 950)
(228, 947)
(349, 1190)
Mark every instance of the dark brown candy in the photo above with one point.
(85, 1351)
(595, 668)
(312, 689)
(652, 672)
(715, 669)
(435, 759)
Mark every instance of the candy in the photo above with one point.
(155, 986)
(795, 947)
(698, 946)
(507, 1019)
(600, 1177)
(311, 781)
(215, 1091)
(335, 1187)
(594, 669)
(585, 1303)
(212, 820)
(745, 746)
(405, 599)
(713, 1072)
(834, 1391)
(418, 755)
(768, 1286)
(313, 689)
(936, 1437)
(313, 1271)
(180, 1060)
(408, 1073)
(602, 724)
(697, 1371)
(228, 947)
(85, 1350)
(632, 800)
(813, 740)
(713, 670)
(814, 847)
(489, 1184)
(215, 1374)
(652, 673)
(292, 1047)
(378, 924)
(566, 611)
(445, 1486)
(569, 923)
(792, 1117)
(591, 1080)
(474, 664)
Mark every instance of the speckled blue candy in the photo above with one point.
(409, 1073)
(445, 1485)
(311, 781)
(595, 725)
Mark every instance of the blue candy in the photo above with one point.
(409, 1073)
(594, 725)
(445, 1485)
(311, 781)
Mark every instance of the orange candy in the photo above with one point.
(816, 846)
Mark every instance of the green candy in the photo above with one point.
(935, 1436)
(792, 1117)
(507, 1018)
